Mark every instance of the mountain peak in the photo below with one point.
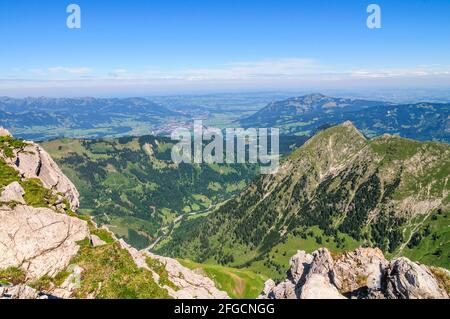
(314, 95)
(344, 132)
(310, 98)
(304, 108)
(348, 124)
(333, 147)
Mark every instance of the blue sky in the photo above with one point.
(158, 46)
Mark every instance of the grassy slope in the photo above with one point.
(424, 169)
(109, 270)
(238, 283)
(131, 184)
(119, 276)
(433, 241)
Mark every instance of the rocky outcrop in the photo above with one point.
(319, 287)
(363, 267)
(96, 241)
(408, 280)
(13, 193)
(309, 277)
(363, 273)
(38, 240)
(299, 263)
(190, 285)
(18, 292)
(320, 279)
(284, 290)
(70, 284)
(32, 161)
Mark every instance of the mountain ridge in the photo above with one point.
(44, 118)
(420, 121)
(310, 103)
(380, 192)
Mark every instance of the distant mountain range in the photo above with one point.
(83, 105)
(305, 115)
(312, 103)
(44, 118)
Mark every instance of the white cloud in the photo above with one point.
(118, 73)
(420, 71)
(242, 70)
(286, 73)
(69, 70)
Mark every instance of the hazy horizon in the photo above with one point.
(191, 47)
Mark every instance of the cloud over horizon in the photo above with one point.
(284, 73)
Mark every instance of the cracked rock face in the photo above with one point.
(319, 281)
(408, 280)
(34, 162)
(284, 290)
(363, 267)
(38, 240)
(318, 286)
(299, 263)
(363, 273)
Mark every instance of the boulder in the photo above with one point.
(96, 241)
(318, 286)
(38, 240)
(363, 267)
(34, 162)
(268, 287)
(300, 264)
(410, 280)
(319, 281)
(13, 193)
(18, 292)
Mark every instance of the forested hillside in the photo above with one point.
(339, 190)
